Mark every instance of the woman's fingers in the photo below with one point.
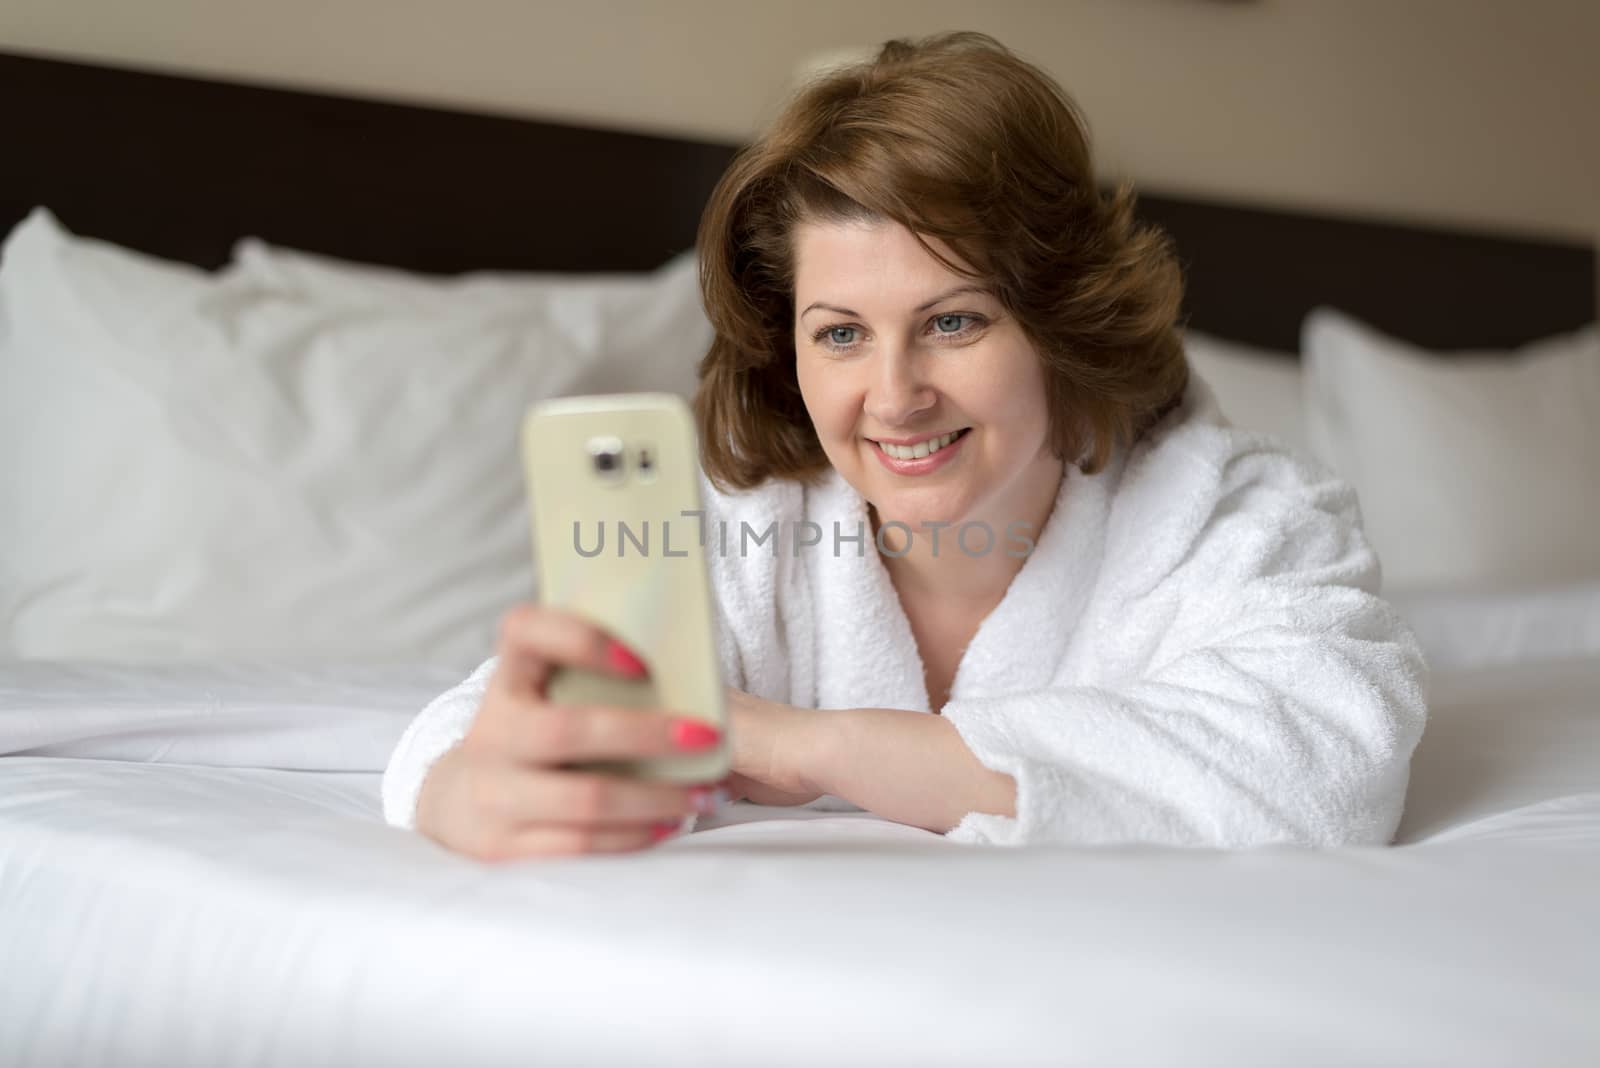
(517, 796)
(569, 734)
(534, 639)
(538, 734)
(547, 840)
(504, 792)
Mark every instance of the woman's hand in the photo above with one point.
(503, 794)
(773, 747)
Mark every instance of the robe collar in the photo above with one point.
(866, 654)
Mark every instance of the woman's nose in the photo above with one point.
(899, 391)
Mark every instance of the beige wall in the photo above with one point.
(1446, 110)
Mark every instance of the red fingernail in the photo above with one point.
(692, 734)
(621, 658)
(663, 830)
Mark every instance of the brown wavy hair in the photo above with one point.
(953, 136)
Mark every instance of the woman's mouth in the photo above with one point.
(926, 455)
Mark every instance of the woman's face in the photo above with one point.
(891, 363)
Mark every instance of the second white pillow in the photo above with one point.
(1475, 471)
(1258, 389)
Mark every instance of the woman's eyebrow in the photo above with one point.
(957, 291)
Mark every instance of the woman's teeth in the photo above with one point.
(921, 448)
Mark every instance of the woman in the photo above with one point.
(949, 371)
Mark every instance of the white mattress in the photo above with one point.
(194, 871)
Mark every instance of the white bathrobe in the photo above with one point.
(1194, 653)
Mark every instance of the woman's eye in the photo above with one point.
(835, 338)
(953, 322)
(952, 325)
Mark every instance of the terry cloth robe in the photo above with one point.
(1194, 653)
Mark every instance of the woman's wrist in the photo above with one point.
(904, 765)
(817, 745)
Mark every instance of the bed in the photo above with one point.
(193, 865)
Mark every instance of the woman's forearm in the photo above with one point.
(910, 767)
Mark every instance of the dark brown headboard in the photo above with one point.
(182, 167)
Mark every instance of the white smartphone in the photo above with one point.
(613, 492)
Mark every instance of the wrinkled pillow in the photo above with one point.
(338, 281)
(200, 467)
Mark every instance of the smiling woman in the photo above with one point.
(995, 189)
(931, 326)
(930, 423)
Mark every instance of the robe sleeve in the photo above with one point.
(1275, 697)
(439, 727)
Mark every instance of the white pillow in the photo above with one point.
(661, 352)
(196, 467)
(1475, 471)
(1257, 389)
(1474, 630)
(339, 281)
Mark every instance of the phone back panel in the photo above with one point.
(611, 542)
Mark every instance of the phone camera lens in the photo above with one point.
(605, 455)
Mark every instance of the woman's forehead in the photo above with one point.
(863, 258)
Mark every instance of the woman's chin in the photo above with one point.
(922, 511)
(946, 499)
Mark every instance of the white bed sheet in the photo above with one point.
(242, 902)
